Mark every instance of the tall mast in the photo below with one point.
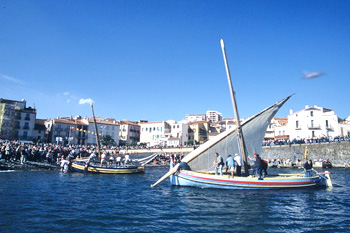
(96, 132)
(238, 124)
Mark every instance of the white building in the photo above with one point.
(214, 116)
(179, 133)
(155, 133)
(195, 117)
(313, 122)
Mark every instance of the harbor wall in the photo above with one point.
(336, 152)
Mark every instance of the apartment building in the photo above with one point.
(129, 133)
(313, 122)
(214, 116)
(17, 121)
(155, 133)
(104, 127)
(195, 117)
(67, 130)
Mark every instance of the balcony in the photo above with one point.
(329, 127)
(27, 118)
(313, 126)
(25, 127)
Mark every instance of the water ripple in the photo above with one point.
(49, 201)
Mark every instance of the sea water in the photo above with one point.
(51, 201)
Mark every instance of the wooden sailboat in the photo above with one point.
(245, 139)
(132, 167)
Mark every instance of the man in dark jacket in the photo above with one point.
(257, 166)
(308, 168)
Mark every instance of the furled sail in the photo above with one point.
(226, 143)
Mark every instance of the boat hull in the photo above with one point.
(196, 179)
(79, 167)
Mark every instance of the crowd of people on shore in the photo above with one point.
(306, 141)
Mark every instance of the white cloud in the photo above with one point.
(68, 101)
(11, 79)
(66, 93)
(86, 101)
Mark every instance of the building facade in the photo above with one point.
(155, 133)
(129, 133)
(17, 121)
(214, 116)
(195, 117)
(313, 122)
(104, 128)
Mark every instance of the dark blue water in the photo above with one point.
(50, 201)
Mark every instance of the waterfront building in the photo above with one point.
(277, 129)
(39, 132)
(344, 129)
(198, 132)
(104, 127)
(214, 116)
(129, 133)
(17, 121)
(155, 133)
(313, 122)
(195, 117)
(178, 133)
(67, 130)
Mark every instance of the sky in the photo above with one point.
(160, 60)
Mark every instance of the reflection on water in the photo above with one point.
(43, 201)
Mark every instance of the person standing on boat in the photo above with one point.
(238, 162)
(118, 160)
(103, 158)
(219, 162)
(230, 164)
(308, 168)
(257, 166)
(127, 160)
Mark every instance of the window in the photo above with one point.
(58, 126)
(327, 123)
(312, 123)
(178, 126)
(25, 134)
(297, 124)
(284, 132)
(312, 113)
(313, 134)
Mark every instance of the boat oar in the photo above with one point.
(172, 171)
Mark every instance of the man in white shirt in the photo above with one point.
(238, 160)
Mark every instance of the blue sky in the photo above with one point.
(161, 60)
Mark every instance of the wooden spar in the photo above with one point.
(96, 132)
(238, 124)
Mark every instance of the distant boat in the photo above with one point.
(79, 166)
(247, 139)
